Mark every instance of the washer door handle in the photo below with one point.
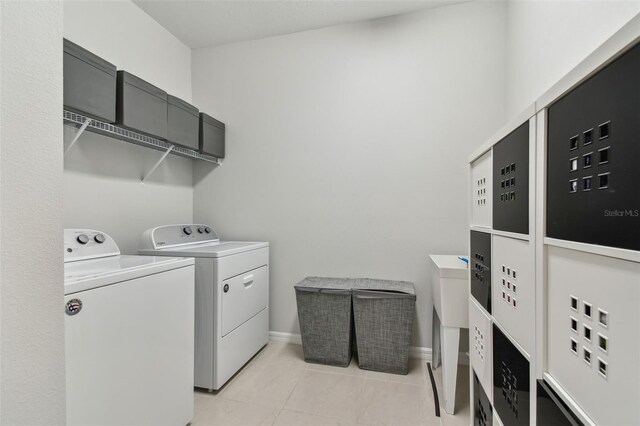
(225, 288)
(248, 280)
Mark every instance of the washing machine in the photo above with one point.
(232, 296)
(129, 333)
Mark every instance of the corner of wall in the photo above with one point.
(32, 390)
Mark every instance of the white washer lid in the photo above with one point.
(450, 266)
(93, 273)
(217, 249)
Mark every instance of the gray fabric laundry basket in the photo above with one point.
(383, 314)
(324, 313)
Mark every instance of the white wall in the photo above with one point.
(546, 39)
(347, 146)
(102, 187)
(32, 389)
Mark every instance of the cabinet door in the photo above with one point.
(243, 297)
(481, 191)
(480, 346)
(551, 410)
(481, 268)
(513, 289)
(593, 158)
(511, 390)
(593, 333)
(511, 182)
(482, 411)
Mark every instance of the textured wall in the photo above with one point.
(347, 146)
(32, 389)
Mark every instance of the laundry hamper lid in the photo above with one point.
(368, 288)
(325, 284)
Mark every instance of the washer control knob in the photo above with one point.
(187, 230)
(99, 238)
(226, 288)
(207, 229)
(82, 239)
(200, 230)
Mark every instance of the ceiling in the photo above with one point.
(209, 23)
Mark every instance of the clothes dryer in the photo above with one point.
(232, 296)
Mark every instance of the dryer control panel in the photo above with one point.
(83, 244)
(173, 235)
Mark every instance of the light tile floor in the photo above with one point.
(278, 388)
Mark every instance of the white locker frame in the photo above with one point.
(610, 50)
(528, 114)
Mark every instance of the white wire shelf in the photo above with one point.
(110, 130)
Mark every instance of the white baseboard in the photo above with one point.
(419, 352)
(285, 337)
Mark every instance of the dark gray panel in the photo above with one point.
(183, 123)
(511, 182)
(141, 106)
(89, 83)
(482, 411)
(510, 381)
(593, 158)
(481, 268)
(551, 410)
(211, 136)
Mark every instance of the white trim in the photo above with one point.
(277, 336)
(564, 395)
(534, 360)
(485, 229)
(617, 253)
(475, 155)
(513, 341)
(540, 256)
(481, 229)
(513, 235)
(419, 352)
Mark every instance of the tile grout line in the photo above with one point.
(290, 393)
(358, 412)
(284, 358)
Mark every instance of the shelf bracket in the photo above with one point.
(167, 152)
(78, 133)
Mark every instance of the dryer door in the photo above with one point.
(243, 296)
